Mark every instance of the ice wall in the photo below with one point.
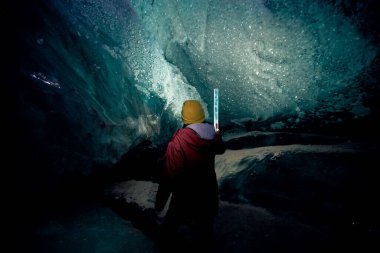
(100, 76)
(267, 57)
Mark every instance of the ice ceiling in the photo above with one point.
(100, 76)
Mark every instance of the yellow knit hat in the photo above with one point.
(192, 112)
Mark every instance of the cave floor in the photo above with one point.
(96, 227)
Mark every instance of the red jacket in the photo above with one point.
(189, 172)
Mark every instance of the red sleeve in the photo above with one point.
(173, 163)
(173, 158)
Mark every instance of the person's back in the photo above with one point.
(189, 174)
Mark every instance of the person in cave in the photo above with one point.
(189, 176)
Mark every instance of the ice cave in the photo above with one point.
(92, 93)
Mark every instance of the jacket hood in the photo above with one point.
(196, 136)
(204, 130)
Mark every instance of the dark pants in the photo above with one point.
(190, 234)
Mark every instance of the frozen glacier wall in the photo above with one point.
(95, 78)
